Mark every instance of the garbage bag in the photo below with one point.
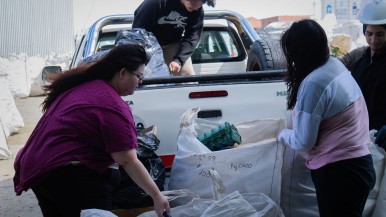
(156, 66)
(129, 195)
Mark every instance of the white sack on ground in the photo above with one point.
(9, 114)
(380, 186)
(298, 196)
(380, 206)
(253, 168)
(34, 66)
(19, 81)
(379, 165)
(4, 151)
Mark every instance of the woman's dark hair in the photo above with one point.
(127, 56)
(305, 48)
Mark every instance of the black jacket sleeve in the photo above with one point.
(191, 38)
(350, 58)
(146, 14)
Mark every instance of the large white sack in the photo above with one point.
(18, 79)
(380, 206)
(253, 168)
(34, 66)
(298, 196)
(379, 165)
(4, 151)
(10, 116)
(380, 169)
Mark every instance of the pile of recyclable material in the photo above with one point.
(223, 137)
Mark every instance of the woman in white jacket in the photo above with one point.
(330, 122)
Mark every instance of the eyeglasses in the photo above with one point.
(139, 76)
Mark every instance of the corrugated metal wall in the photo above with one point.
(36, 27)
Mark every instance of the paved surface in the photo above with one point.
(25, 205)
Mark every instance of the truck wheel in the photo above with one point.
(266, 54)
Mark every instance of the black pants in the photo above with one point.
(69, 189)
(342, 187)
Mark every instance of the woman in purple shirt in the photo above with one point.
(71, 159)
(330, 122)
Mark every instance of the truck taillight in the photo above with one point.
(205, 94)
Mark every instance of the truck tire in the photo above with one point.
(266, 54)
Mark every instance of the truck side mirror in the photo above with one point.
(49, 73)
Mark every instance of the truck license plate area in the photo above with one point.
(209, 114)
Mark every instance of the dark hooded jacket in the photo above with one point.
(370, 73)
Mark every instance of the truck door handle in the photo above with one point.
(209, 114)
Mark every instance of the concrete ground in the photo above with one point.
(25, 205)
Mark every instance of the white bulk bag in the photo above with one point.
(4, 151)
(253, 167)
(378, 194)
(34, 66)
(298, 197)
(18, 78)
(9, 114)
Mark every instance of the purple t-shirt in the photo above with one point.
(84, 124)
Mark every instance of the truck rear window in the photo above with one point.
(216, 45)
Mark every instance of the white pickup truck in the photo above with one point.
(222, 87)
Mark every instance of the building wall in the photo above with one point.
(261, 23)
(37, 27)
(343, 9)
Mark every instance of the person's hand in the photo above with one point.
(174, 67)
(161, 204)
(380, 137)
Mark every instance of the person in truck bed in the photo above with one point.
(71, 159)
(330, 122)
(177, 25)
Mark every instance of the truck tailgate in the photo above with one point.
(238, 102)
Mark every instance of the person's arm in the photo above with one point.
(304, 133)
(138, 173)
(308, 115)
(350, 58)
(190, 39)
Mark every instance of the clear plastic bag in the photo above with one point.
(227, 205)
